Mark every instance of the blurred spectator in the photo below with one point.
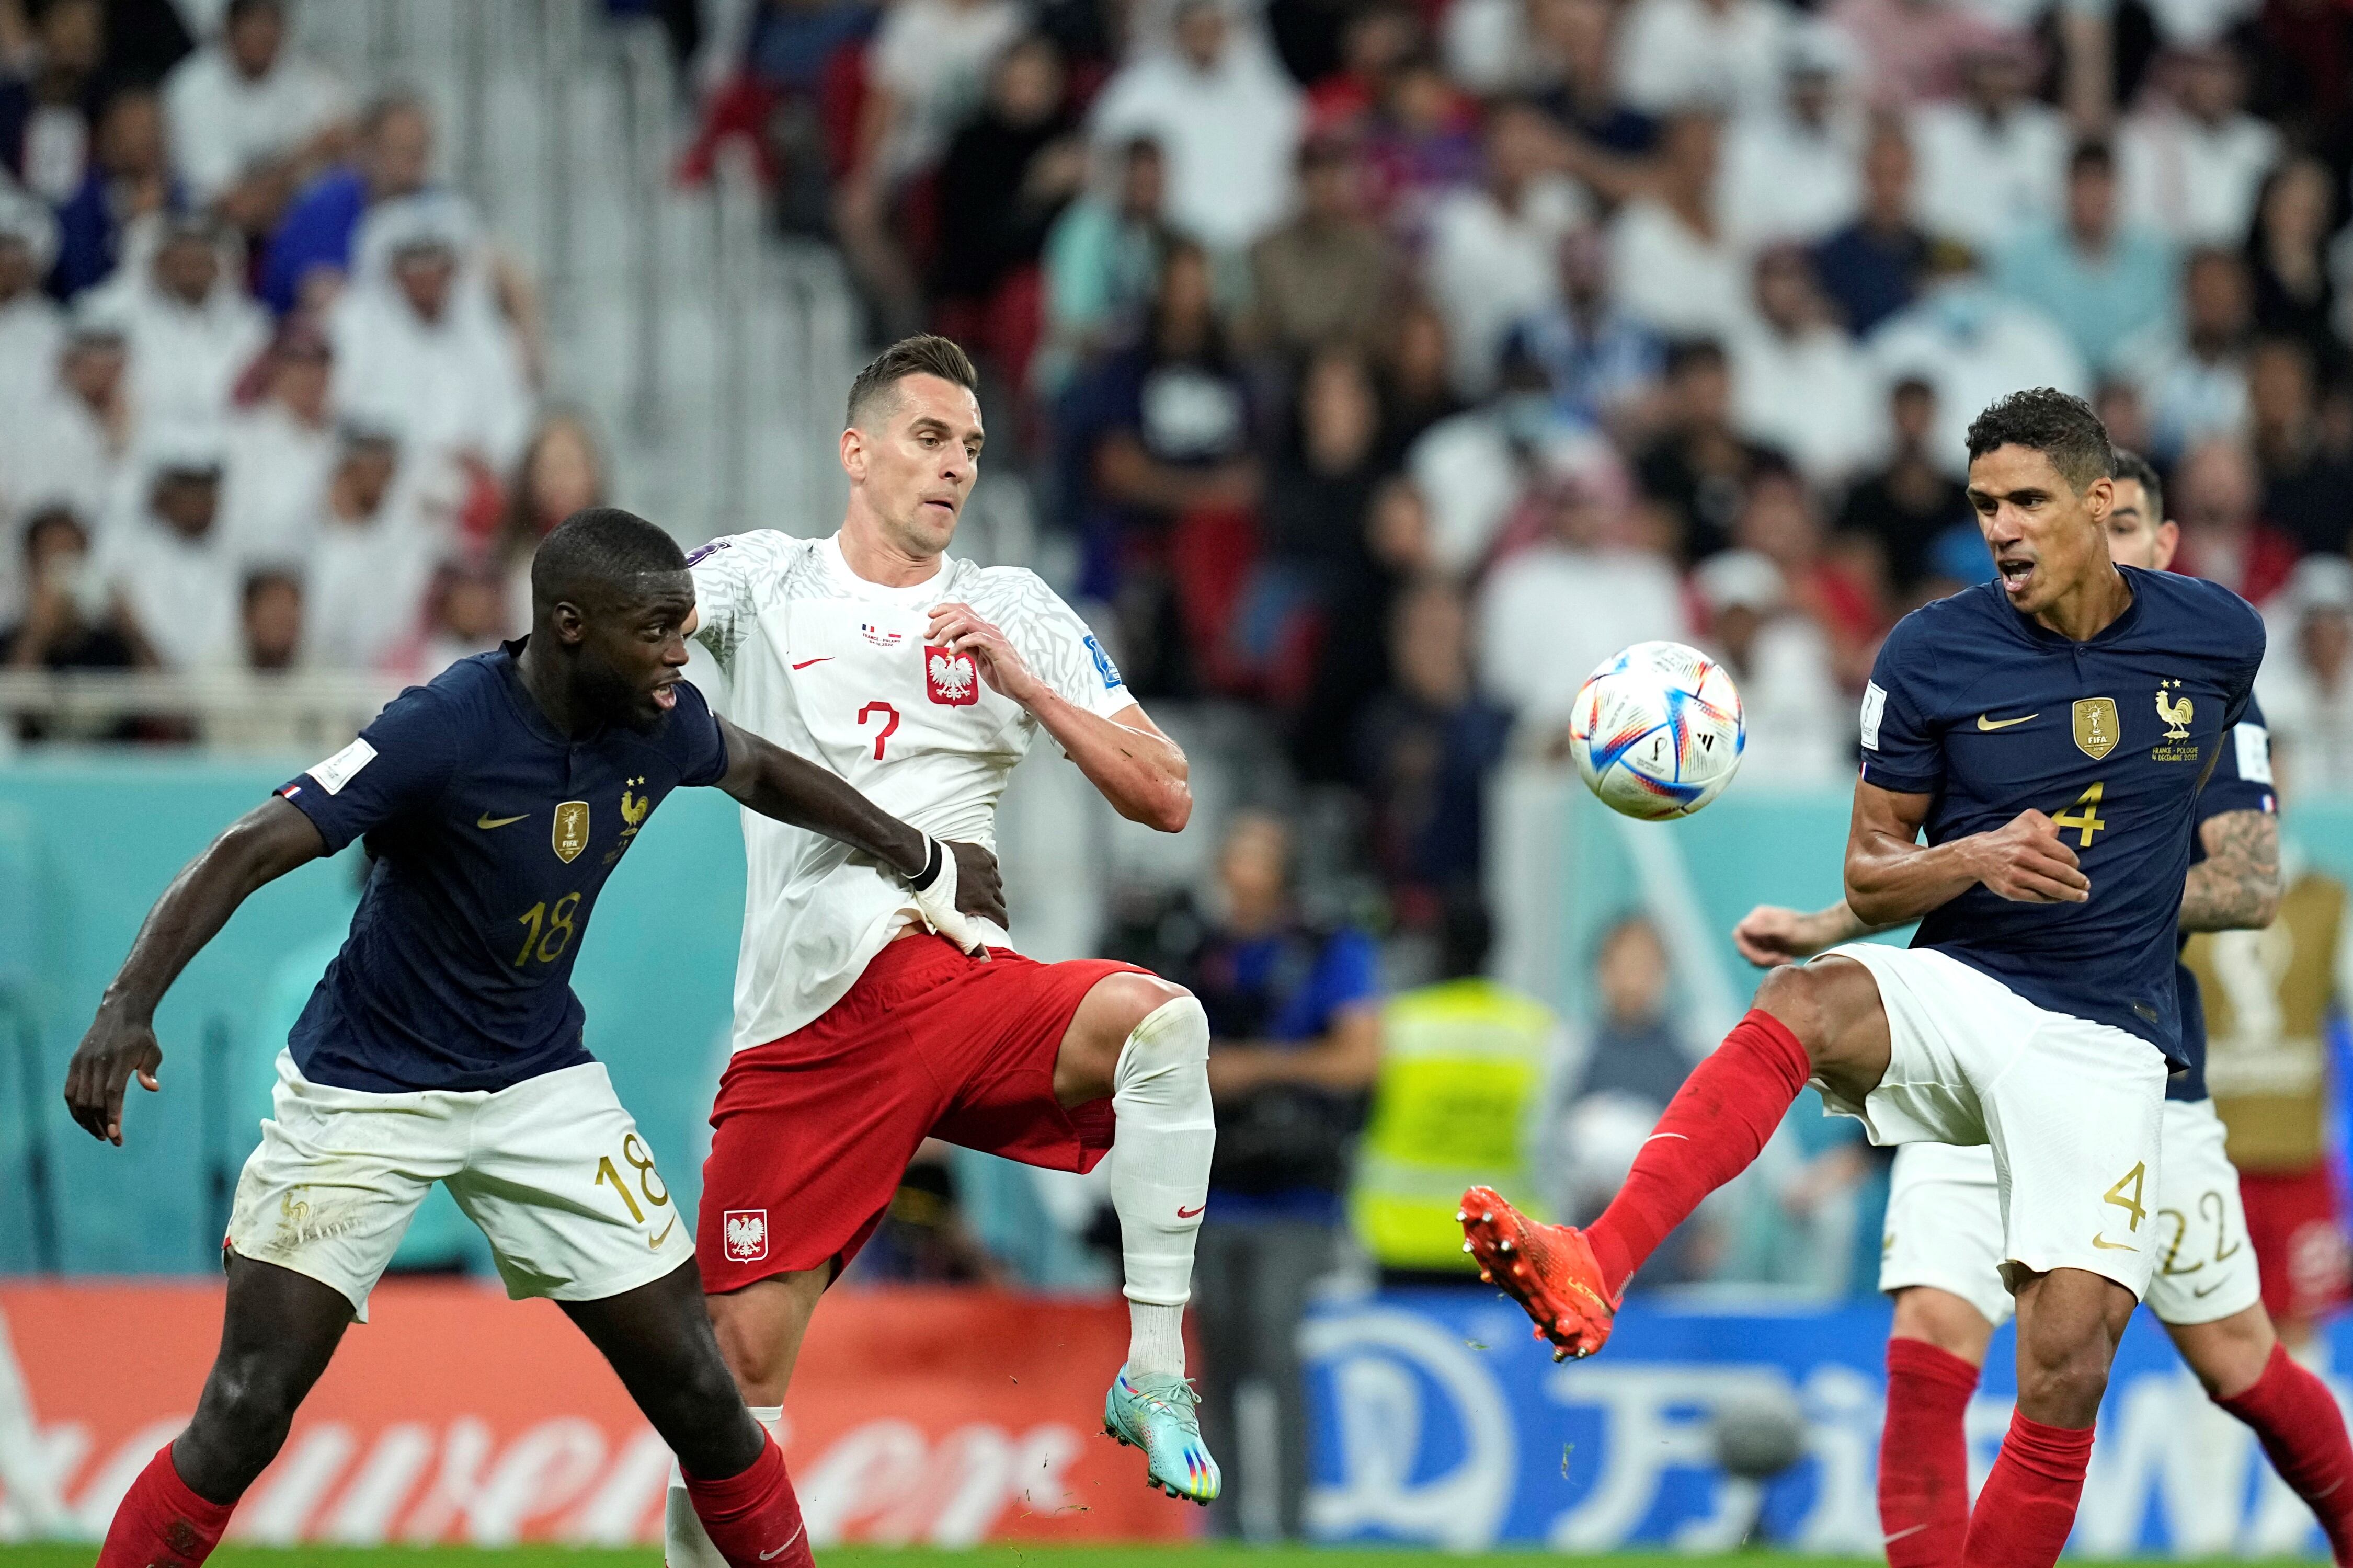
(1602, 367)
(250, 117)
(468, 609)
(1493, 246)
(1872, 268)
(67, 623)
(1326, 275)
(420, 347)
(1417, 386)
(1676, 53)
(1421, 142)
(562, 472)
(1913, 500)
(127, 180)
(2224, 537)
(312, 247)
(249, 710)
(2307, 476)
(270, 621)
(1916, 51)
(32, 332)
(1226, 116)
(1425, 750)
(166, 562)
(2193, 160)
(1972, 344)
(1316, 499)
(1007, 176)
(1549, 614)
(2307, 681)
(1780, 521)
(1791, 173)
(1672, 265)
(2192, 371)
(1295, 1032)
(1104, 257)
(2287, 253)
(1798, 383)
(1698, 465)
(280, 452)
(1993, 161)
(49, 104)
(71, 443)
(1801, 726)
(2117, 401)
(192, 331)
(2101, 280)
(1578, 40)
(371, 560)
(1345, 58)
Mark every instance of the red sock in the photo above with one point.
(2028, 1506)
(753, 1516)
(161, 1523)
(1924, 1455)
(1711, 1132)
(2303, 1431)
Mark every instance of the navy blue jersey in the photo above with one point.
(1992, 714)
(491, 834)
(2242, 781)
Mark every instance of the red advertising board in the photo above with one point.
(454, 1414)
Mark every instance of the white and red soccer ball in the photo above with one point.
(1657, 731)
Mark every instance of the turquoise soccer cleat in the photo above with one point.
(1153, 1411)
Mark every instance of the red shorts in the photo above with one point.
(812, 1133)
(2297, 1228)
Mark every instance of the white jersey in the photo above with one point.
(834, 668)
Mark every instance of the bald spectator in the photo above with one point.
(32, 331)
(1872, 268)
(1798, 383)
(1224, 114)
(1493, 246)
(2218, 499)
(249, 117)
(192, 330)
(1993, 162)
(2191, 370)
(312, 248)
(2101, 279)
(2193, 161)
(128, 180)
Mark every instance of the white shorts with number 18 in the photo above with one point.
(2074, 1110)
(552, 1170)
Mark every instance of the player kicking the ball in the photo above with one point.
(923, 679)
(2049, 731)
(444, 1043)
(1943, 1254)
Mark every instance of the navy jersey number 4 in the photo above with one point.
(491, 834)
(1992, 714)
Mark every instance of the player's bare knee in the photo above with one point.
(1943, 1320)
(245, 1412)
(2228, 1355)
(1794, 996)
(1088, 1065)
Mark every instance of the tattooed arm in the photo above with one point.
(2237, 886)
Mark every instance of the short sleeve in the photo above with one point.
(724, 573)
(1900, 753)
(693, 740)
(1345, 973)
(1064, 652)
(2241, 779)
(400, 764)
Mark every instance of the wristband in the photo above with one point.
(934, 858)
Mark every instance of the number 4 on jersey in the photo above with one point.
(2085, 817)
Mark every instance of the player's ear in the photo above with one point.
(853, 452)
(571, 626)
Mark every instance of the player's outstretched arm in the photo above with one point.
(2237, 886)
(1769, 934)
(776, 783)
(256, 848)
(1139, 769)
(1892, 876)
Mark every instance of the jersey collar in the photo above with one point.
(2037, 632)
(919, 596)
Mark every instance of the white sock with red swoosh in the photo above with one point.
(1160, 1173)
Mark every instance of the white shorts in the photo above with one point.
(552, 1170)
(2074, 1109)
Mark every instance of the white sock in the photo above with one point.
(1160, 1174)
(684, 1542)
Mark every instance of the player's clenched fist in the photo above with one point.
(959, 629)
(1769, 935)
(102, 1067)
(2025, 860)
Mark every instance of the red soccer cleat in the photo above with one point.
(1549, 1269)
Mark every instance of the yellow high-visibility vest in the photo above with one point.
(1462, 1067)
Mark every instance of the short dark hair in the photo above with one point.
(263, 579)
(2092, 152)
(2059, 425)
(1693, 353)
(926, 353)
(2131, 465)
(54, 515)
(600, 547)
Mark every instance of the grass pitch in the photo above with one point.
(1201, 1556)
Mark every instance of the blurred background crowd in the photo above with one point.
(1366, 370)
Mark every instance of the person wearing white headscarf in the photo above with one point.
(32, 331)
(191, 329)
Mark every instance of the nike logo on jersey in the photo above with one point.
(1986, 723)
(487, 820)
(818, 660)
(2105, 1245)
(1189, 1214)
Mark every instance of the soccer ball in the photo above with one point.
(1657, 731)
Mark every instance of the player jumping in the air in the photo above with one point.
(1943, 1253)
(444, 1043)
(2049, 731)
(923, 679)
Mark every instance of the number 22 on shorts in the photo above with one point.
(635, 1155)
